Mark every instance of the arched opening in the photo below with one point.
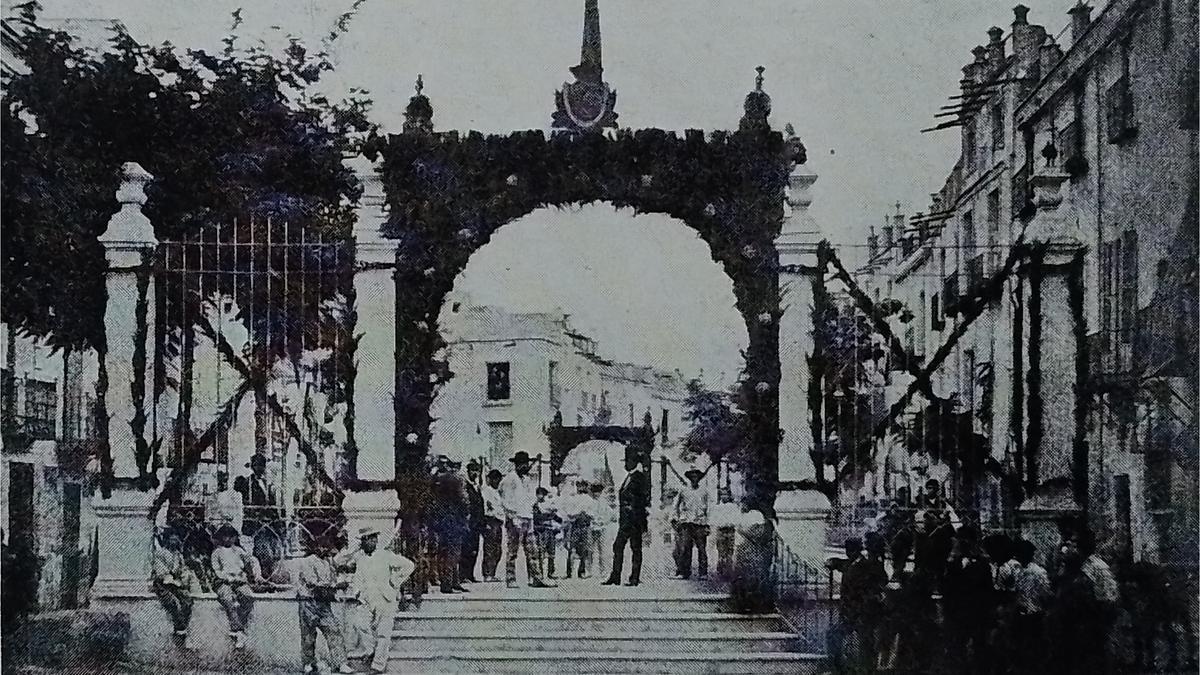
(594, 322)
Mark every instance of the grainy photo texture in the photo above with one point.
(852, 336)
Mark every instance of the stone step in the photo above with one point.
(668, 660)
(492, 623)
(726, 642)
(596, 603)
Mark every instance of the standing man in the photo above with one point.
(449, 520)
(316, 592)
(577, 510)
(173, 583)
(545, 527)
(691, 512)
(632, 500)
(518, 493)
(263, 526)
(378, 576)
(475, 524)
(233, 571)
(493, 524)
(602, 515)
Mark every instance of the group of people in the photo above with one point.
(1002, 612)
(370, 577)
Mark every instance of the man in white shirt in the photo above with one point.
(224, 507)
(518, 494)
(173, 583)
(378, 576)
(234, 570)
(493, 524)
(691, 512)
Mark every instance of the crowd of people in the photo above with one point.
(457, 540)
(974, 603)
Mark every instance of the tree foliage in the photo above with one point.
(716, 427)
(229, 134)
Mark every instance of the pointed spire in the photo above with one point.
(591, 62)
(587, 104)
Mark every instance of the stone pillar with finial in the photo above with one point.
(418, 114)
(803, 514)
(757, 107)
(123, 514)
(1056, 458)
(371, 500)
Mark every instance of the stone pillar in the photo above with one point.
(803, 514)
(1052, 374)
(125, 530)
(376, 504)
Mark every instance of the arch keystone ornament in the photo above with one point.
(438, 184)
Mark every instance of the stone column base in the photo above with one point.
(126, 537)
(1039, 517)
(804, 524)
(377, 509)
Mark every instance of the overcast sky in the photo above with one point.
(857, 78)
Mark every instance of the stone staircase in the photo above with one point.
(581, 627)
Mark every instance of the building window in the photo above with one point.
(1072, 139)
(552, 385)
(1129, 285)
(1119, 103)
(998, 125)
(936, 320)
(40, 409)
(1022, 196)
(498, 384)
(630, 414)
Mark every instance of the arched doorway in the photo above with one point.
(447, 195)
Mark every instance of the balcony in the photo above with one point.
(1022, 194)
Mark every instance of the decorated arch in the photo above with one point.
(447, 194)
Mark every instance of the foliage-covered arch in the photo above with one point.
(448, 194)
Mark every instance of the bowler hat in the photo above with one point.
(693, 471)
(495, 473)
(520, 457)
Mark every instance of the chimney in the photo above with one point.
(1081, 20)
(935, 202)
(1020, 16)
(887, 233)
(1048, 55)
(996, 47)
(872, 244)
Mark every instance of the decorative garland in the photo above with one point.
(447, 195)
(348, 368)
(1017, 422)
(1034, 404)
(1079, 452)
(142, 452)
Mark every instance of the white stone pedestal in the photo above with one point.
(804, 524)
(376, 508)
(126, 537)
(1039, 517)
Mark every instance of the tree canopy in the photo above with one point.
(243, 132)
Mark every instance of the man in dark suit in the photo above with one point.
(475, 523)
(449, 522)
(262, 522)
(633, 499)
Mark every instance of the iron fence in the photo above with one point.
(804, 596)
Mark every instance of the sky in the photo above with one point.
(857, 78)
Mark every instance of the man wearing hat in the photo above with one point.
(262, 522)
(378, 576)
(633, 500)
(493, 524)
(475, 523)
(518, 494)
(691, 513)
(449, 522)
(234, 570)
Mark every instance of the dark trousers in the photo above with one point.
(493, 533)
(692, 535)
(413, 547)
(318, 615)
(548, 548)
(631, 534)
(178, 603)
(577, 539)
(449, 558)
(1028, 643)
(470, 552)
